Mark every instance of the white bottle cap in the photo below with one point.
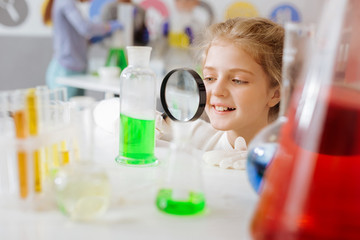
(138, 55)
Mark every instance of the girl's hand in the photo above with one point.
(162, 127)
(235, 159)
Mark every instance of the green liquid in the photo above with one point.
(116, 57)
(137, 141)
(194, 204)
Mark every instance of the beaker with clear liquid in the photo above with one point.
(137, 110)
(82, 187)
(311, 188)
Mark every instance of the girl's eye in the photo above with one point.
(209, 79)
(237, 81)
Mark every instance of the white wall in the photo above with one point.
(33, 26)
(25, 46)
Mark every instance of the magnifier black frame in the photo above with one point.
(201, 88)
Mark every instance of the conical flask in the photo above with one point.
(181, 192)
(137, 110)
(311, 189)
(298, 40)
(116, 57)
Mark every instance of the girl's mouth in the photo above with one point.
(223, 109)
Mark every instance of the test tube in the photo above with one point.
(33, 123)
(17, 107)
(65, 119)
(82, 116)
(62, 120)
(7, 148)
(44, 125)
(58, 117)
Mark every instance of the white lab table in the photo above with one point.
(133, 214)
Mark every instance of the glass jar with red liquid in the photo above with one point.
(312, 187)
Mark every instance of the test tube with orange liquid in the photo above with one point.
(17, 106)
(33, 123)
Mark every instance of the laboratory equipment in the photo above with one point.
(183, 98)
(27, 132)
(116, 58)
(82, 188)
(121, 38)
(298, 40)
(109, 74)
(8, 178)
(17, 108)
(183, 95)
(181, 195)
(137, 110)
(311, 188)
(82, 191)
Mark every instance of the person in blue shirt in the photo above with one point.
(72, 34)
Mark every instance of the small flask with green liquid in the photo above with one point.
(137, 110)
(181, 192)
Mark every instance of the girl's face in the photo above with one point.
(238, 96)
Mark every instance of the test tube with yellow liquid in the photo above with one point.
(33, 123)
(58, 117)
(17, 106)
(64, 112)
(44, 125)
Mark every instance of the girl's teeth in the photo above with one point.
(221, 109)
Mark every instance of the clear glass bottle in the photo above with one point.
(137, 109)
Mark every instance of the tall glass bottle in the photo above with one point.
(311, 189)
(137, 109)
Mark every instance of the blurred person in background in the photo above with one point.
(72, 34)
(109, 12)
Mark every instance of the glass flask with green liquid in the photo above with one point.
(137, 110)
(116, 57)
(181, 192)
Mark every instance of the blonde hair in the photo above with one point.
(261, 38)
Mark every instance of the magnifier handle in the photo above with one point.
(164, 115)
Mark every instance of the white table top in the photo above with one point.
(91, 82)
(230, 203)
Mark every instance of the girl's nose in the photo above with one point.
(219, 87)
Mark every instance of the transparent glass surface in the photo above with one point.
(311, 188)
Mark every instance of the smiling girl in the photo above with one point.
(242, 61)
(242, 75)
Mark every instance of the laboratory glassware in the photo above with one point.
(137, 110)
(8, 178)
(82, 187)
(311, 188)
(183, 98)
(298, 40)
(121, 38)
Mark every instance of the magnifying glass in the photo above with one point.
(183, 95)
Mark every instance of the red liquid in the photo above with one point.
(313, 191)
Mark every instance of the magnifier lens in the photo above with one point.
(183, 95)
